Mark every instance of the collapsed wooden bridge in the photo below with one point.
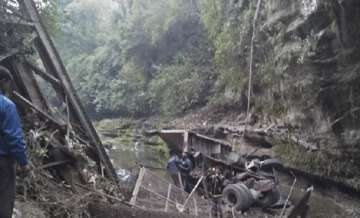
(27, 50)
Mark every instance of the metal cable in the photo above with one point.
(251, 64)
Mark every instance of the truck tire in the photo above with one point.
(246, 197)
(238, 196)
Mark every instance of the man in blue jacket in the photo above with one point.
(172, 167)
(12, 145)
(186, 165)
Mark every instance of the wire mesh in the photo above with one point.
(154, 193)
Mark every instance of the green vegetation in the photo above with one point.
(339, 168)
(149, 57)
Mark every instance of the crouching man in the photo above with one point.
(12, 145)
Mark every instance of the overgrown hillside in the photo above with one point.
(137, 57)
(146, 57)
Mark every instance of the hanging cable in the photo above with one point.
(251, 63)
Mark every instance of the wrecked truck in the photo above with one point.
(223, 181)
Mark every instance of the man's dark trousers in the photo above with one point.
(7, 186)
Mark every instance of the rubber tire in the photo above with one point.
(246, 197)
(231, 194)
(237, 196)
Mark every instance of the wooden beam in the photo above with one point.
(9, 19)
(137, 186)
(48, 77)
(49, 68)
(9, 54)
(29, 84)
(43, 113)
(69, 90)
(168, 197)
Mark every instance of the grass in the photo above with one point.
(322, 163)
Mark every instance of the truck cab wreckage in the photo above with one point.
(224, 182)
(70, 162)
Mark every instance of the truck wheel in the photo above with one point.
(237, 196)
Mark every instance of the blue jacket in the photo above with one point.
(172, 165)
(12, 141)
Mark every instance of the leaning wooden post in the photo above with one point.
(137, 187)
(167, 198)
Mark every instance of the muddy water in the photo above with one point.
(128, 149)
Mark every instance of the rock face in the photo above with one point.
(308, 75)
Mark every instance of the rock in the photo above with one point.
(27, 210)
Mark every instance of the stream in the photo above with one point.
(129, 149)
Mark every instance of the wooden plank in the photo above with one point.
(195, 207)
(191, 194)
(185, 145)
(137, 186)
(168, 197)
(48, 77)
(43, 113)
(69, 90)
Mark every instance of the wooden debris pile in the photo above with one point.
(63, 180)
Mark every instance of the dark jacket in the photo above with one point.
(186, 165)
(12, 141)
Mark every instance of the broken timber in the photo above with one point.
(28, 93)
